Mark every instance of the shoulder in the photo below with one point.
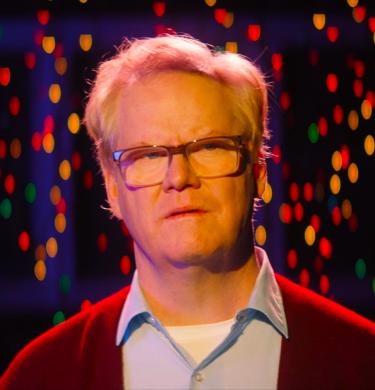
(304, 305)
(61, 351)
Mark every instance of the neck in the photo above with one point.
(195, 294)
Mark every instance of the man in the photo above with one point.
(180, 133)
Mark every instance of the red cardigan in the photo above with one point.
(329, 347)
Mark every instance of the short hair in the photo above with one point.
(138, 58)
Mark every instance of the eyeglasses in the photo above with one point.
(208, 157)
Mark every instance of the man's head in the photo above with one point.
(170, 91)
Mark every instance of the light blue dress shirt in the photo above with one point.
(248, 358)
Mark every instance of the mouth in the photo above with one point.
(185, 212)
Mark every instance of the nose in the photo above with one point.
(180, 175)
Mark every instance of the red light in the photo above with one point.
(125, 265)
(30, 60)
(315, 222)
(14, 105)
(76, 161)
(276, 154)
(298, 211)
(38, 37)
(332, 34)
(338, 114)
(43, 16)
(4, 76)
(124, 229)
(332, 82)
(102, 242)
(284, 100)
(159, 8)
(3, 148)
(324, 284)
(318, 265)
(286, 213)
(370, 96)
(294, 192)
(371, 24)
(163, 29)
(359, 68)
(9, 184)
(61, 206)
(253, 32)
(325, 248)
(304, 277)
(88, 180)
(323, 126)
(345, 156)
(359, 13)
(313, 57)
(308, 192)
(219, 15)
(358, 87)
(36, 141)
(336, 216)
(49, 124)
(353, 223)
(292, 259)
(24, 241)
(277, 61)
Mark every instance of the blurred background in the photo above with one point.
(59, 250)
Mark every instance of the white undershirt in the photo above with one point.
(199, 340)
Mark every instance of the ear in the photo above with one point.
(112, 193)
(260, 178)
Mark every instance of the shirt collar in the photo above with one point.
(265, 298)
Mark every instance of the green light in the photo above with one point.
(6, 208)
(30, 192)
(313, 133)
(65, 284)
(58, 318)
(373, 284)
(360, 268)
(219, 48)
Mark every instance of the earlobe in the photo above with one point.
(260, 178)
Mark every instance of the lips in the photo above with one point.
(184, 212)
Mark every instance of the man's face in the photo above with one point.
(186, 219)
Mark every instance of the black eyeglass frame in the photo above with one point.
(239, 146)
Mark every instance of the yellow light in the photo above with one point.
(267, 194)
(319, 21)
(85, 41)
(352, 3)
(210, 3)
(48, 44)
(83, 1)
(51, 247)
(61, 65)
(353, 120)
(48, 143)
(55, 195)
(73, 123)
(40, 253)
(353, 173)
(40, 270)
(260, 235)
(335, 184)
(336, 160)
(366, 109)
(64, 169)
(346, 208)
(232, 47)
(309, 235)
(54, 93)
(15, 148)
(60, 222)
(369, 145)
(228, 20)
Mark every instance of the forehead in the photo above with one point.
(175, 107)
